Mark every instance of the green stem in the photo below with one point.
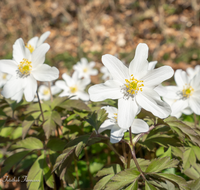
(132, 148)
(40, 106)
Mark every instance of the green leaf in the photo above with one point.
(48, 176)
(160, 164)
(57, 101)
(186, 129)
(56, 144)
(56, 118)
(122, 179)
(49, 124)
(79, 148)
(133, 186)
(142, 162)
(67, 152)
(110, 170)
(188, 158)
(96, 119)
(179, 181)
(102, 182)
(148, 186)
(194, 185)
(13, 160)
(28, 122)
(30, 143)
(77, 104)
(35, 174)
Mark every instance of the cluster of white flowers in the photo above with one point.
(135, 88)
(75, 86)
(185, 97)
(26, 68)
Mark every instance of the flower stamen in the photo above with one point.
(187, 91)
(73, 89)
(30, 47)
(85, 70)
(25, 68)
(132, 87)
(46, 91)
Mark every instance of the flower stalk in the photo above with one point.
(40, 106)
(132, 149)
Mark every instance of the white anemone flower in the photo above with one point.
(25, 70)
(133, 87)
(138, 125)
(85, 69)
(106, 73)
(185, 95)
(4, 77)
(192, 72)
(44, 92)
(186, 111)
(35, 42)
(73, 86)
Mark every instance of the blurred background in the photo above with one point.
(91, 28)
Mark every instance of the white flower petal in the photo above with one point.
(127, 110)
(69, 81)
(33, 42)
(172, 92)
(62, 84)
(38, 55)
(91, 64)
(157, 76)
(195, 82)
(30, 89)
(111, 111)
(152, 65)
(161, 90)
(110, 89)
(93, 72)
(107, 124)
(13, 86)
(18, 96)
(150, 101)
(45, 73)
(43, 37)
(65, 93)
(139, 126)
(178, 114)
(139, 65)
(83, 95)
(178, 106)
(55, 90)
(8, 66)
(116, 68)
(19, 50)
(84, 82)
(194, 104)
(187, 111)
(116, 134)
(181, 78)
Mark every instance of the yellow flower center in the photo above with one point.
(25, 68)
(46, 91)
(4, 76)
(133, 85)
(115, 116)
(30, 47)
(85, 70)
(187, 91)
(73, 89)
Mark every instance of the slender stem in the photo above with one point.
(49, 84)
(137, 138)
(132, 149)
(40, 106)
